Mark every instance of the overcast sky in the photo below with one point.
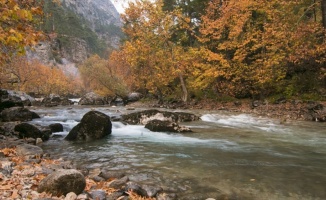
(120, 4)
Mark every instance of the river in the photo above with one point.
(236, 155)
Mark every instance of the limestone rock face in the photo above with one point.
(95, 11)
(94, 125)
(98, 18)
(63, 181)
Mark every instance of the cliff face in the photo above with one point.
(96, 12)
(78, 29)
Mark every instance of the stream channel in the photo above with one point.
(237, 155)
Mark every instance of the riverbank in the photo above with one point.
(20, 177)
(283, 110)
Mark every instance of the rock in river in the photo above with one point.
(93, 125)
(18, 114)
(166, 126)
(145, 116)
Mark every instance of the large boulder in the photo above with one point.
(143, 117)
(93, 125)
(63, 181)
(166, 126)
(26, 130)
(10, 98)
(56, 100)
(18, 114)
(92, 99)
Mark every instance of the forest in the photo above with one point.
(183, 50)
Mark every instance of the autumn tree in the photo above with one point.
(33, 77)
(250, 45)
(156, 60)
(99, 75)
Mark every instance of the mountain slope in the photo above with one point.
(78, 29)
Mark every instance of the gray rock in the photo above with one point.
(56, 100)
(8, 128)
(18, 114)
(71, 196)
(134, 187)
(165, 196)
(10, 98)
(93, 125)
(152, 190)
(142, 117)
(63, 181)
(166, 126)
(98, 194)
(118, 183)
(57, 127)
(134, 96)
(97, 178)
(111, 174)
(115, 196)
(29, 150)
(91, 99)
(83, 196)
(27, 130)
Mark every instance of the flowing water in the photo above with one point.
(236, 155)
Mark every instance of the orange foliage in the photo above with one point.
(18, 20)
(154, 59)
(103, 76)
(249, 44)
(32, 76)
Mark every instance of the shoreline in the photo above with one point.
(285, 110)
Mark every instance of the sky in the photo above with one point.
(120, 4)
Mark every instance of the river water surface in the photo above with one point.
(237, 155)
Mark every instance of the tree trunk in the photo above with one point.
(184, 88)
(323, 12)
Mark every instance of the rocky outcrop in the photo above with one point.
(18, 114)
(63, 181)
(95, 11)
(93, 125)
(56, 100)
(101, 16)
(92, 99)
(10, 98)
(26, 130)
(143, 117)
(166, 126)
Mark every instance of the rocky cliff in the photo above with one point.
(77, 29)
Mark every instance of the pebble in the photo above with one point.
(71, 196)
